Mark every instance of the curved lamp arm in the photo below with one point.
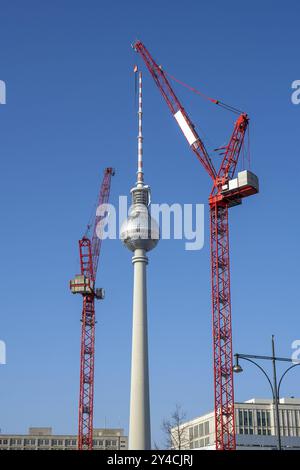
(265, 374)
(291, 367)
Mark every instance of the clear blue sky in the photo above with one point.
(69, 113)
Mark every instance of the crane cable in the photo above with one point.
(212, 100)
(225, 106)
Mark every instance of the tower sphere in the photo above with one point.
(140, 230)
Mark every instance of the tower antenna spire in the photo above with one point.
(140, 173)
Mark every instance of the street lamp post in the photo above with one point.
(276, 394)
(275, 387)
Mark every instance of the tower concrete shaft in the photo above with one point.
(139, 426)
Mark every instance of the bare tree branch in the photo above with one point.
(175, 430)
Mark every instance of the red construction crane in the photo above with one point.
(226, 192)
(84, 284)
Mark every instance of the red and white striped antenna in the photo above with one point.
(140, 173)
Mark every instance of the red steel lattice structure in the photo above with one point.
(220, 201)
(84, 284)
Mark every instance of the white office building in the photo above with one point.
(255, 427)
(44, 439)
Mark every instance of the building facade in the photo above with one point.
(43, 439)
(255, 426)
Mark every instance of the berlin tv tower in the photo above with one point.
(140, 233)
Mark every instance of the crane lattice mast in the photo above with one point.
(84, 284)
(226, 192)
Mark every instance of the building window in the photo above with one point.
(251, 431)
(201, 430)
(258, 418)
(297, 422)
(191, 433)
(74, 442)
(241, 431)
(245, 418)
(263, 419)
(281, 418)
(12, 442)
(290, 422)
(250, 418)
(268, 418)
(43, 442)
(207, 441)
(54, 442)
(191, 445)
(240, 417)
(29, 442)
(206, 427)
(196, 431)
